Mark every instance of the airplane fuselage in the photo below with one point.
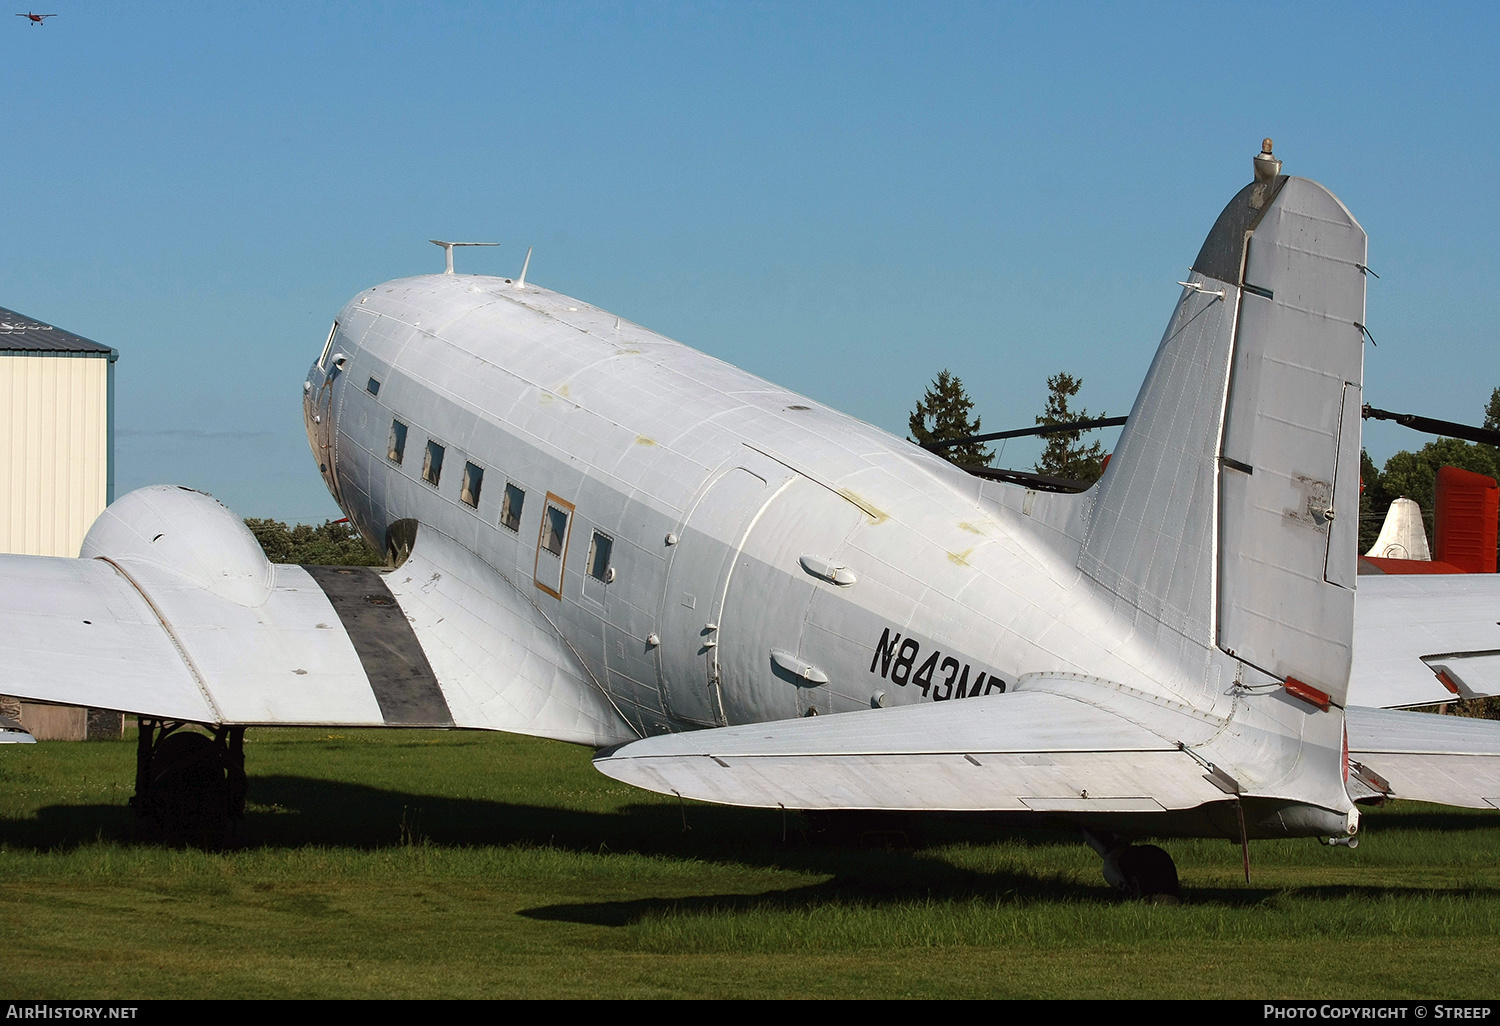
(717, 549)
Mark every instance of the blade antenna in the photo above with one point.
(521, 281)
(448, 250)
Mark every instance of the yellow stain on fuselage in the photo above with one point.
(875, 514)
(960, 558)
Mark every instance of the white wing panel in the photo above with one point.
(1406, 627)
(501, 664)
(287, 660)
(1021, 751)
(1449, 760)
(77, 632)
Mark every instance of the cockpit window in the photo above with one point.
(398, 442)
(328, 346)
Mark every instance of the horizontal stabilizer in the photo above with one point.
(1412, 632)
(1022, 751)
(1449, 760)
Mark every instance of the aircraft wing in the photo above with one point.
(177, 615)
(1023, 751)
(1450, 760)
(1409, 629)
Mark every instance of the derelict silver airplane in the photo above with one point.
(605, 537)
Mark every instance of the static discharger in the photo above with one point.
(448, 250)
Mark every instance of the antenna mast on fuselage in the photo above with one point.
(448, 250)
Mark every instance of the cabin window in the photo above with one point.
(468, 493)
(432, 463)
(599, 550)
(510, 507)
(328, 346)
(557, 522)
(554, 529)
(398, 442)
(373, 387)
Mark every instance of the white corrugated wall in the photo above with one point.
(54, 450)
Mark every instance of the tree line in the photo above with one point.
(942, 414)
(1414, 475)
(945, 412)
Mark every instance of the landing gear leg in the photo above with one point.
(1136, 870)
(189, 787)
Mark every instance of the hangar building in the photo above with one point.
(57, 456)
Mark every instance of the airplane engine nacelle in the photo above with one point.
(187, 532)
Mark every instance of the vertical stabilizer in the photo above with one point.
(1289, 482)
(1229, 512)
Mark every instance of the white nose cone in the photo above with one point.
(1402, 536)
(187, 532)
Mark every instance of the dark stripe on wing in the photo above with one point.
(399, 673)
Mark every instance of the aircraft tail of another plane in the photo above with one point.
(1229, 513)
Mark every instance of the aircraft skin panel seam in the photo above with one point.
(187, 659)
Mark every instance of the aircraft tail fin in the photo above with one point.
(1229, 512)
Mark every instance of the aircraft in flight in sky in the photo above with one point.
(737, 594)
(37, 19)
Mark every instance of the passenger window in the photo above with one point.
(510, 507)
(432, 463)
(557, 521)
(398, 442)
(468, 493)
(554, 529)
(373, 387)
(599, 550)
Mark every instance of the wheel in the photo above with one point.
(1145, 871)
(187, 796)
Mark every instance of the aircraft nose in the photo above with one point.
(319, 403)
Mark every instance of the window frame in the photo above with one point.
(395, 448)
(475, 472)
(505, 507)
(328, 347)
(609, 545)
(430, 476)
(569, 511)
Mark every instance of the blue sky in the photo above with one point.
(843, 198)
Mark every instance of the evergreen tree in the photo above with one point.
(1065, 454)
(946, 406)
(1373, 502)
(328, 544)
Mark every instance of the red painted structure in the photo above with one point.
(1465, 521)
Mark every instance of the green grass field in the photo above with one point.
(430, 864)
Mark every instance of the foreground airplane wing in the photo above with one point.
(1421, 640)
(1021, 752)
(1038, 751)
(178, 615)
